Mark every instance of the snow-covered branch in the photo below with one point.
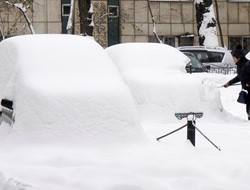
(23, 9)
(71, 17)
(91, 11)
(154, 24)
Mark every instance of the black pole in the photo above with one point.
(208, 139)
(191, 132)
(171, 132)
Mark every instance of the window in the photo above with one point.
(207, 56)
(170, 40)
(65, 9)
(243, 40)
(185, 40)
(113, 11)
(215, 56)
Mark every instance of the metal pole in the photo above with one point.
(171, 132)
(207, 138)
(191, 132)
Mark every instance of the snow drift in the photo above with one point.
(156, 76)
(65, 89)
(170, 164)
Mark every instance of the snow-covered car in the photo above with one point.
(63, 88)
(214, 57)
(72, 79)
(156, 76)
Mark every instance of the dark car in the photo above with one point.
(195, 65)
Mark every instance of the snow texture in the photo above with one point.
(160, 85)
(67, 90)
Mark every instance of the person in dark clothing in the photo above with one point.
(243, 73)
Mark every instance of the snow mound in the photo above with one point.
(65, 89)
(156, 76)
(138, 56)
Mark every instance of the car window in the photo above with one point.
(195, 63)
(207, 56)
(201, 55)
(215, 56)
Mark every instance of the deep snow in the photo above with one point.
(172, 163)
(62, 83)
(160, 85)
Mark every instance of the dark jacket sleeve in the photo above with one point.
(234, 80)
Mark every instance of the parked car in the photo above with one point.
(155, 73)
(214, 57)
(49, 94)
(195, 66)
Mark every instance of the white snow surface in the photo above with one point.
(94, 94)
(62, 83)
(160, 85)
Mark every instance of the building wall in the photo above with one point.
(175, 18)
(46, 16)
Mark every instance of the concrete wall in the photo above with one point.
(174, 18)
(47, 16)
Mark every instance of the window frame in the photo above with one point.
(63, 6)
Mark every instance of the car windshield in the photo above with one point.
(195, 63)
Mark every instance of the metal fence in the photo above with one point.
(227, 69)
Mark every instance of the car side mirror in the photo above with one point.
(189, 68)
(7, 103)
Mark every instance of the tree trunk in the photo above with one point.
(85, 14)
(206, 23)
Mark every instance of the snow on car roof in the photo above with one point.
(65, 89)
(132, 56)
(153, 74)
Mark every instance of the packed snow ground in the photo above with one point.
(143, 163)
